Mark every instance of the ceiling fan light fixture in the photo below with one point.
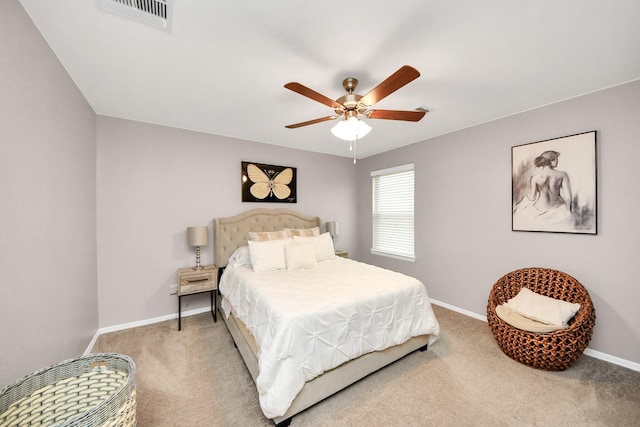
(351, 129)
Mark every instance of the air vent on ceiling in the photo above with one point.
(153, 12)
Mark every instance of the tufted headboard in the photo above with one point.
(232, 232)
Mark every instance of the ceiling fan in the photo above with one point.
(353, 105)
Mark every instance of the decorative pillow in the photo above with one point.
(524, 323)
(322, 245)
(542, 308)
(240, 257)
(261, 236)
(303, 232)
(267, 255)
(300, 255)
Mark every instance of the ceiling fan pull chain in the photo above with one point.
(353, 148)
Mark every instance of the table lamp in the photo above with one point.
(332, 229)
(197, 236)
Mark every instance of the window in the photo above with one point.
(392, 196)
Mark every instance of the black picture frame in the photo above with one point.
(268, 183)
(554, 185)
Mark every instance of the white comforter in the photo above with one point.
(309, 321)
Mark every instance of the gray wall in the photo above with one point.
(154, 181)
(48, 309)
(464, 241)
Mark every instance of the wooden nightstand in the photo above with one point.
(192, 281)
(343, 254)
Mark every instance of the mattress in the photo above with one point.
(308, 321)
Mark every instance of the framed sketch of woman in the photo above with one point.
(554, 185)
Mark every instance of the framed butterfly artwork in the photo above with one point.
(268, 183)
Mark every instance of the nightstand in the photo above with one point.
(192, 281)
(342, 254)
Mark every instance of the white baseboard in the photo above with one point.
(458, 310)
(613, 359)
(143, 323)
(589, 352)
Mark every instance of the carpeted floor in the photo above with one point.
(197, 378)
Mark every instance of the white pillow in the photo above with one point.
(240, 257)
(303, 232)
(322, 245)
(267, 255)
(542, 308)
(300, 255)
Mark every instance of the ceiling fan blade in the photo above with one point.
(394, 82)
(312, 122)
(310, 93)
(407, 116)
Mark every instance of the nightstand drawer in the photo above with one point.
(191, 281)
(189, 286)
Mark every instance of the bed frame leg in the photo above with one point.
(424, 347)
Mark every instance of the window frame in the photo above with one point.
(404, 255)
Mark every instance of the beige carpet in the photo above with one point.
(197, 378)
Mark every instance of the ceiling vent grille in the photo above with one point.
(152, 12)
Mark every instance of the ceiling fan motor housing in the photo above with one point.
(350, 102)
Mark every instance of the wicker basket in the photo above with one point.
(552, 351)
(95, 390)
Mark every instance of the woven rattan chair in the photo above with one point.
(552, 351)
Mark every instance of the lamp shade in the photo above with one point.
(332, 228)
(351, 129)
(197, 236)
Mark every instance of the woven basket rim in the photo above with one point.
(90, 356)
(32, 382)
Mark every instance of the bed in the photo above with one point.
(282, 369)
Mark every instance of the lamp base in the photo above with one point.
(198, 267)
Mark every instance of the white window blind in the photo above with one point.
(393, 194)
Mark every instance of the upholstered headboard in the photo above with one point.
(232, 232)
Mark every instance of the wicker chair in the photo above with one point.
(552, 351)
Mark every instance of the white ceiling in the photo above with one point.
(222, 66)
